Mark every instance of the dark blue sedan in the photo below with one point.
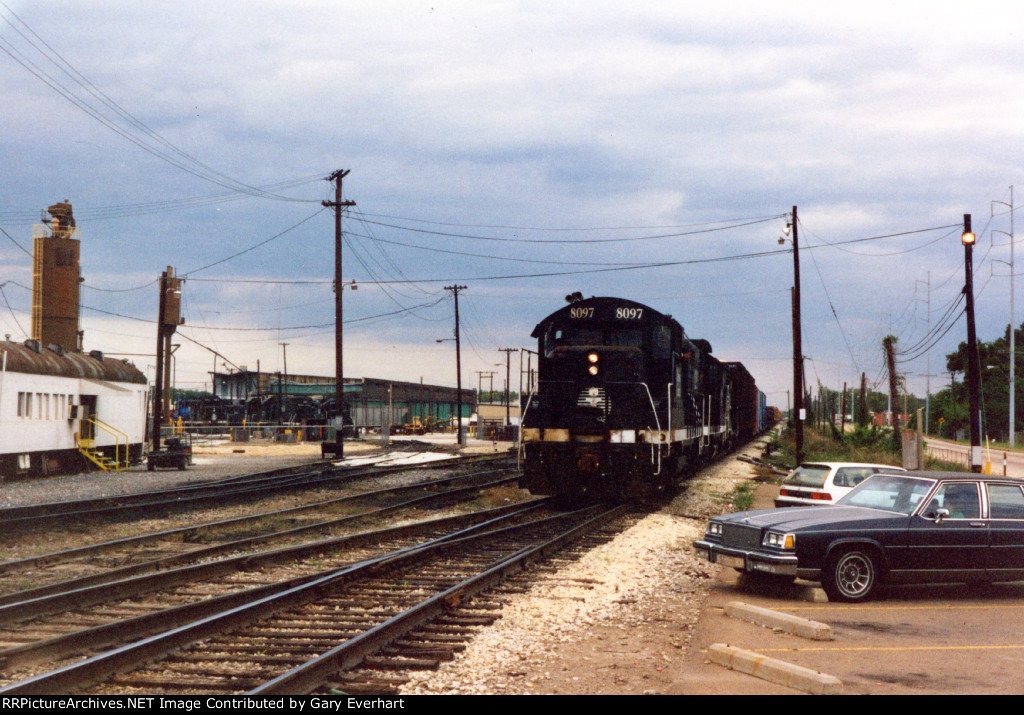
(911, 527)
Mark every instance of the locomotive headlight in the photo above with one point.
(779, 541)
(592, 358)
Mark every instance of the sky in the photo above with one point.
(525, 150)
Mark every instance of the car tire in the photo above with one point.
(852, 575)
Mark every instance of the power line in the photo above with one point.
(108, 112)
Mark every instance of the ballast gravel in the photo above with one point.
(620, 586)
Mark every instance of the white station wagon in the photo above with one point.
(823, 483)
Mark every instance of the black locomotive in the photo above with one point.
(625, 402)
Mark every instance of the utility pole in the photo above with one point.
(480, 381)
(973, 366)
(458, 362)
(1013, 327)
(842, 429)
(889, 343)
(168, 319)
(798, 382)
(508, 378)
(284, 354)
(339, 370)
(863, 421)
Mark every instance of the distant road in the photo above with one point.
(954, 452)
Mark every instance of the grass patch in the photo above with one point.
(863, 444)
(742, 496)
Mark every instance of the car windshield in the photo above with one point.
(888, 492)
(808, 475)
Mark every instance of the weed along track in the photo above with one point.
(397, 608)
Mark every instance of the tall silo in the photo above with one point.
(55, 280)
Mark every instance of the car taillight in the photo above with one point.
(821, 496)
(783, 492)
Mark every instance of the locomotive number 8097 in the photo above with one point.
(625, 402)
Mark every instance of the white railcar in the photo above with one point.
(60, 411)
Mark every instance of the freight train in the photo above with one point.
(627, 403)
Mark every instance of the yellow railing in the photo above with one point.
(87, 447)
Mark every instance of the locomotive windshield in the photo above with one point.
(591, 335)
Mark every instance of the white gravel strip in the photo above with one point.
(650, 557)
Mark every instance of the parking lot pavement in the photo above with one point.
(910, 640)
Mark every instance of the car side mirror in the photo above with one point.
(941, 514)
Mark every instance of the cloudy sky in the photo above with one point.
(525, 150)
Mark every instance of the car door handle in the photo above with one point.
(977, 524)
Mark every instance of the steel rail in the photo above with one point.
(42, 515)
(69, 644)
(307, 677)
(167, 563)
(193, 530)
(93, 670)
(143, 583)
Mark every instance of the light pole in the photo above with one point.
(973, 366)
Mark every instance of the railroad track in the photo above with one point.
(229, 490)
(105, 561)
(296, 635)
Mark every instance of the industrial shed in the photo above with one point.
(369, 400)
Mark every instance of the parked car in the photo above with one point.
(817, 483)
(914, 527)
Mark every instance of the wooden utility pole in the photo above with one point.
(798, 382)
(889, 342)
(863, 421)
(338, 205)
(168, 319)
(842, 419)
(973, 361)
(458, 363)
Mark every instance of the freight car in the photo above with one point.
(626, 403)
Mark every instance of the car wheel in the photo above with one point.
(851, 576)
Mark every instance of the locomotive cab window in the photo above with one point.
(662, 347)
(582, 337)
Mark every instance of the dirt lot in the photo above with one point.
(636, 617)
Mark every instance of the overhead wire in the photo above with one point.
(626, 239)
(109, 113)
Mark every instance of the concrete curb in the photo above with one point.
(775, 671)
(779, 621)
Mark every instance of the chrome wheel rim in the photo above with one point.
(855, 574)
